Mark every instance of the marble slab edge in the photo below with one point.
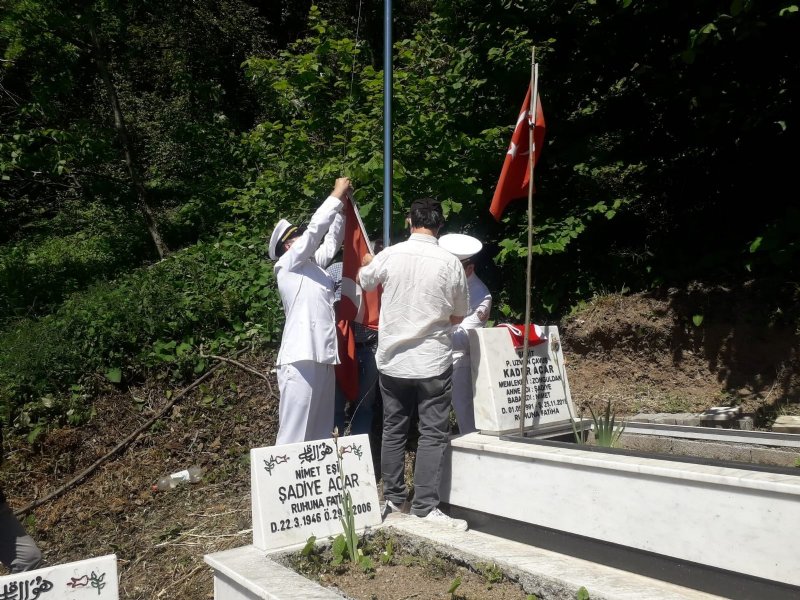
(772, 482)
(543, 572)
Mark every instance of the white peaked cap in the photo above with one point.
(462, 246)
(280, 230)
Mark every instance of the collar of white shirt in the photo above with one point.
(423, 237)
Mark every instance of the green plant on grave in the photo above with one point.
(606, 431)
(454, 585)
(347, 541)
(308, 549)
(582, 594)
(339, 550)
(388, 552)
(310, 561)
(490, 572)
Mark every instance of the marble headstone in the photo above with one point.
(94, 578)
(497, 378)
(297, 490)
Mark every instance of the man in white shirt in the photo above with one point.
(308, 346)
(465, 248)
(424, 294)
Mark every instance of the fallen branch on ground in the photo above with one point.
(244, 367)
(127, 441)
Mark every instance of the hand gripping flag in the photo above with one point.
(356, 304)
(516, 173)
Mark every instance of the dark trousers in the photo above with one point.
(432, 398)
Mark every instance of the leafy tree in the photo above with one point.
(69, 205)
(34, 29)
(666, 124)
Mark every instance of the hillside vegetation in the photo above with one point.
(136, 131)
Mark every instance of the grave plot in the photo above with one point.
(674, 510)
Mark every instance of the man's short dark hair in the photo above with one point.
(427, 213)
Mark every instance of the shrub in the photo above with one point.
(209, 298)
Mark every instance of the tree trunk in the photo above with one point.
(127, 147)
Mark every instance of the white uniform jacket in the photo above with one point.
(307, 290)
(480, 305)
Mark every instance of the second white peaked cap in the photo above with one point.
(462, 246)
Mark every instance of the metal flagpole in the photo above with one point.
(387, 121)
(531, 156)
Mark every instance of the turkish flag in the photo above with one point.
(517, 333)
(347, 369)
(355, 304)
(516, 173)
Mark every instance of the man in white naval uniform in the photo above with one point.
(308, 347)
(465, 248)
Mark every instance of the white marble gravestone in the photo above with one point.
(497, 378)
(297, 490)
(94, 578)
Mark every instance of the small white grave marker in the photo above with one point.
(94, 578)
(297, 490)
(497, 378)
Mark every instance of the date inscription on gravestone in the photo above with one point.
(297, 490)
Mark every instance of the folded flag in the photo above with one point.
(535, 334)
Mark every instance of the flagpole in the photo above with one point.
(531, 157)
(387, 121)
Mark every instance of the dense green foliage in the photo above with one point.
(669, 141)
(162, 321)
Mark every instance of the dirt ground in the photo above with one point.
(643, 352)
(405, 570)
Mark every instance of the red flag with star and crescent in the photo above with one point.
(355, 304)
(516, 173)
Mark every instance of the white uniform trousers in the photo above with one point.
(307, 400)
(462, 394)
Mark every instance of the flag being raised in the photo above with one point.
(355, 305)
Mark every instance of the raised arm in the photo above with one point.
(321, 222)
(477, 318)
(331, 243)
